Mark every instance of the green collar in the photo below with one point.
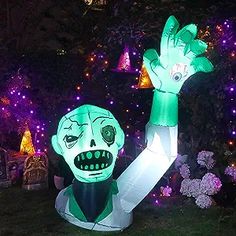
(77, 212)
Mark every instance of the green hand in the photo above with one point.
(179, 57)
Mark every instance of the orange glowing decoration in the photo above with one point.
(144, 79)
(231, 143)
(5, 100)
(26, 146)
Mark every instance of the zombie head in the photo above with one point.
(89, 138)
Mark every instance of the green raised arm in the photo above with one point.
(179, 59)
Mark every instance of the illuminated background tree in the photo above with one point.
(71, 47)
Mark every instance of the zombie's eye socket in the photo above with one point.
(108, 134)
(70, 138)
(177, 76)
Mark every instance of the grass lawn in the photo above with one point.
(33, 213)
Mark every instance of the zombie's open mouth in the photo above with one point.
(93, 160)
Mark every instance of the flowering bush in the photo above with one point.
(185, 171)
(205, 159)
(190, 187)
(231, 171)
(204, 201)
(194, 188)
(210, 184)
(201, 189)
(166, 191)
(185, 185)
(180, 160)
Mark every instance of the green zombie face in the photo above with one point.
(89, 138)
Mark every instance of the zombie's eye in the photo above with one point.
(70, 140)
(108, 134)
(177, 76)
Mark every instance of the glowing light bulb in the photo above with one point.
(157, 202)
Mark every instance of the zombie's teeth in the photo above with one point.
(93, 160)
(93, 167)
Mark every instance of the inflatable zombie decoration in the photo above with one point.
(90, 137)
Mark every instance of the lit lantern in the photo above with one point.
(26, 145)
(124, 64)
(144, 79)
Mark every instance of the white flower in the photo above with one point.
(180, 160)
(203, 201)
(205, 159)
(184, 171)
(231, 171)
(185, 185)
(194, 187)
(210, 184)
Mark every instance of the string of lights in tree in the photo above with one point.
(221, 37)
(125, 32)
(17, 110)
